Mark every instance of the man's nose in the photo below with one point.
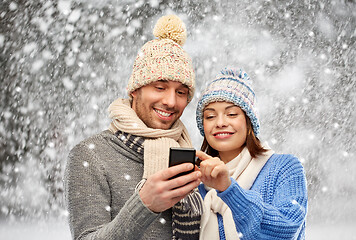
(169, 98)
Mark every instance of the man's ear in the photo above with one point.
(133, 99)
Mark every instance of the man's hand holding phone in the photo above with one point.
(165, 188)
(181, 155)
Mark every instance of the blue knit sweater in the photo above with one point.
(276, 205)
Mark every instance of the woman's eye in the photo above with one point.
(232, 114)
(209, 117)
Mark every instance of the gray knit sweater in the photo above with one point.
(100, 179)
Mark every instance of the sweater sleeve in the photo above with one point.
(280, 217)
(88, 202)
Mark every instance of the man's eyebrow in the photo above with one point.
(185, 86)
(165, 81)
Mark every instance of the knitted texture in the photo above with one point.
(157, 142)
(164, 58)
(230, 86)
(100, 179)
(221, 227)
(186, 213)
(244, 169)
(276, 205)
(184, 225)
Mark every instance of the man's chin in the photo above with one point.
(162, 125)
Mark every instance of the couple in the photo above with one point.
(118, 184)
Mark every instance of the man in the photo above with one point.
(117, 183)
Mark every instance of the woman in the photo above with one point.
(249, 191)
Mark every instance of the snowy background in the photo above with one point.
(63, 62)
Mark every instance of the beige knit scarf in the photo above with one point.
(157, 141)
(244, 169)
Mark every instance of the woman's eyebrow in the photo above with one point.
(208, 109)
(231, 106)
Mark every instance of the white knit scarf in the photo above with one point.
(244, 169)
(157, 141)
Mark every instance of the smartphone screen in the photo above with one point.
(181, 155)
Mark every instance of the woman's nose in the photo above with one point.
(221, 121)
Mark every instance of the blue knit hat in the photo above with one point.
(232, 86)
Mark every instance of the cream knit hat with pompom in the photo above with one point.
(164, 58)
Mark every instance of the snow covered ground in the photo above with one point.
(60, 231)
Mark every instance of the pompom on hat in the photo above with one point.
(164, 58)
(234, 86)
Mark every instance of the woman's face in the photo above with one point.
(225, 128)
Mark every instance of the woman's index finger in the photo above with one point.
(202, 155)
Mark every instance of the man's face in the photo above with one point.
(160, 103)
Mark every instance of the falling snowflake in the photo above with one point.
(65, 213)
(85, 164)
(13, 6)
(345, 154)
(162, 220)
(327, 70)
(141, 54)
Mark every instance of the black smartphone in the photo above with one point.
(181, 155)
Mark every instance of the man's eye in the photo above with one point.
(159, 88)
(182, 92)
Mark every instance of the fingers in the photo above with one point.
(215, 174)
(207, 167)
(211, 168)
(159, 195)
(160, 192)
(185, 179)
(202, 155)
(173, 171)
(181, 192)
(217, 170)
